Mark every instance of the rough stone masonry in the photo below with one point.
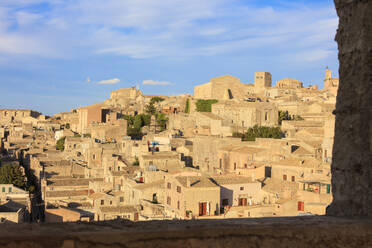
(352, 151)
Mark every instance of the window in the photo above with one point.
(110, 202)
(266, 116)
(169, 201)
(102, 202)
(169, 185)
(293, 178)
(94, 156)
(245, 166)
(121, 199)
(284, 177)
(10, 189)
(220, 163)
(234, 166)
(3, 189)
(178, 189)
(178, 205)
(225, 202)
(241, 188)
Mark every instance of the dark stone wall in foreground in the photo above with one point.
(264, 233)
(352, 151)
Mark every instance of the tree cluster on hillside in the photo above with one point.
(156, 99)
(260, 132)
(284, 115)
(13, 174)
(205, 105)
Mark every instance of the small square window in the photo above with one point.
(241, 188)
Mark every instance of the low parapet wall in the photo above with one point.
(264, 232)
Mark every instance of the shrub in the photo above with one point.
(136, 162)
(12, 174)
(156, 99)
(61, 144)
(283, 115)
(150, 108)
(205, 105)
(260, 132)
(187, 108)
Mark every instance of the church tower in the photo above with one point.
(327, 79)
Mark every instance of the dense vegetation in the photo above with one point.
(205, 105)
(61, 144)
(260, 132)
(135, 123)
(284, 115)
(156, 99)
(187, 108)
(12, 174)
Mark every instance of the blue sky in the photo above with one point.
(60, 54)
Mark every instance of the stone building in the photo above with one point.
(91, 114)
(289, 83)
(192, 196)
(243, 115)
(330, 84)
(9, 115)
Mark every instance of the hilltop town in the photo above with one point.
(230, 150)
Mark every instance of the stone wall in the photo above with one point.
(352, 150)
(266, 232)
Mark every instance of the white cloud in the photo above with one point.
(167, 28)
(153, 82)
(109, 81)
(88, 80)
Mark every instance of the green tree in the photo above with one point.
(150, 109)
(205, 105)
(137, 123)
(136, 162)
(187, 108)
(283, 115)
(162, 119)
(156, 99)
(146, 119)
(12, 174)
(261, 132)
(297, 118)
(61, 144)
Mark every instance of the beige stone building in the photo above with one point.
(190, 196)
(243, 115)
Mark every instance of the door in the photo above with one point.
(135, 216)
(301, 206)
(243, 201)
(202, 208)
